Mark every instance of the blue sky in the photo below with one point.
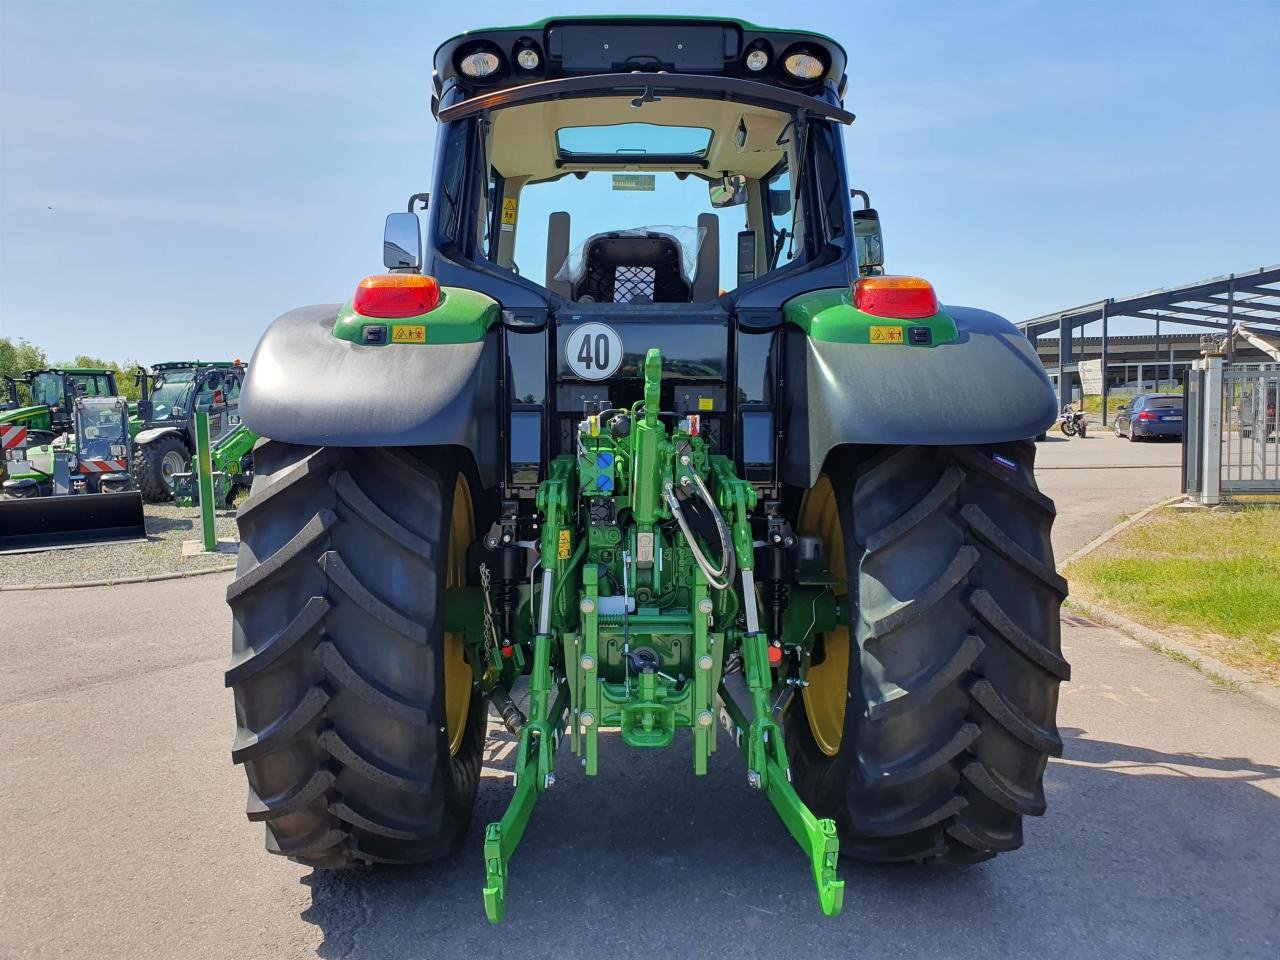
(174, 175)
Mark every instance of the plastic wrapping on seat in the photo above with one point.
(641, 265)
(689, 239)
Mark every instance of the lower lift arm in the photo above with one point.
(760, 738)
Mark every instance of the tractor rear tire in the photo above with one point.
(954, 657)
(149, 466)
(338, 656)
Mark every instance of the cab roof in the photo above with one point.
(594, 45)
(84, 371)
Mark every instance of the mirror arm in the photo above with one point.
(866, 200)
(423, 198)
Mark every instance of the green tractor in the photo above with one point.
(644, 426)
(76, 489)
(53, 392)
(165, 435)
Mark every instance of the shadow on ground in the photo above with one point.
(1142, 854)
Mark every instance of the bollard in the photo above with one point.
(204, 475)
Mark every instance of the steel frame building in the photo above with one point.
(1218, 304)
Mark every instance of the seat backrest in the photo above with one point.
(558, 253)
(706, 276)
(633, 269)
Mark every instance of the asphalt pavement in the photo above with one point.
(125, 835)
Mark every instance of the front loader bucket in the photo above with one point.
(49, 523)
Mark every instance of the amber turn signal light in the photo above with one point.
(392, 295)
(897, 298)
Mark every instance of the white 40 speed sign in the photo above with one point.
(593, 351)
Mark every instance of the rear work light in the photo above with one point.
(479, 64)
(803, 65)
(898, 298)
(392, 295)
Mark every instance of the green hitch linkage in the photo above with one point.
(533, 776)
(761, 745)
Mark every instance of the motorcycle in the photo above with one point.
(1071, 422)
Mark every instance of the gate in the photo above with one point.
(1232, 441)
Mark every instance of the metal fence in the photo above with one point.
(1233, 431)
(1250, 453)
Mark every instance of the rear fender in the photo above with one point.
(977, 381)
(307, 385)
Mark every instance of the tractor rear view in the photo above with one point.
(645, 426)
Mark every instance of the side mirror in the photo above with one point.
(869, 241)
(146, 410)
(729, 191)
(402, 242)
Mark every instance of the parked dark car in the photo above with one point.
(1151, 415)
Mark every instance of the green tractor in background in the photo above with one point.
(646, 428)
(164, 432)
(76, 489)
(53, 392)
(50, 413)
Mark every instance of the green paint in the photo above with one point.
(463, 316)
(638, 635)
(204, 472)
(33, 417)
(830, 316)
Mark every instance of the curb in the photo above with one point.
(1153, 640)
(1120, 527)
(149, 578)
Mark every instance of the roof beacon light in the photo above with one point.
(481, 63)
(757, 60)
(804, 66)
(389, 296)
(898, 298)
(528, 59)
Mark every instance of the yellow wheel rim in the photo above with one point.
(827, 693)
(457, 672)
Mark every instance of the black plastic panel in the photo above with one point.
(986, 387)
(305, 386)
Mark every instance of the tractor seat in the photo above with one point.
(633, 269)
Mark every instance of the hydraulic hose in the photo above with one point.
(721, 578)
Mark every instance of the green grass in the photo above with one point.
(1117, 402)
(1212, 575)
(1093, 403)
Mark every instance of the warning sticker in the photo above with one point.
(562, 549)
(509, 212)
(706, 403)
(645, 182)
(886, 334)
(409, 333)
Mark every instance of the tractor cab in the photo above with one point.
(173, 392)
(53, 394)
(616, 186)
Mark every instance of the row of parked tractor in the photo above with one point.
(79, 459)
